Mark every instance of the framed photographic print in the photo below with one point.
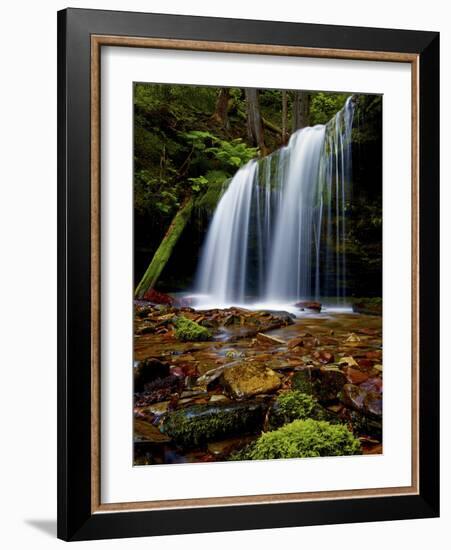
(248, 274)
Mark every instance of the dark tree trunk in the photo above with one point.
(254, 120)
(221, 114)
(284, 116)
(301, 110)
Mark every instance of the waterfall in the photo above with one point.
(278, 233)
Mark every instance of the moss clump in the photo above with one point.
(189, 331)
(198, 424)
(289, 406)
(302, 439)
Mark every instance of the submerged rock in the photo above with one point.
(199, 424)
(246, 380)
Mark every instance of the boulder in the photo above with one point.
(246, 380)
(198, 424)
(156, 297)
(330, 381)
(322, 382)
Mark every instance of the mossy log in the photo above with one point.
(165, 249)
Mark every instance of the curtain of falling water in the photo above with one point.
(279, 230)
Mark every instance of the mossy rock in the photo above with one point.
(323, 383)
(295, 405)
(289, 406)
(192, 426)
(302, 439)
(189, 331)
(304, 380)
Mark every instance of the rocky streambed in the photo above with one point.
(231, 384)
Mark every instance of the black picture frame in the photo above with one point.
(76, 520)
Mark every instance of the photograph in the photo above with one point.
(257, 299)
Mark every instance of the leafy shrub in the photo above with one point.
(302, 439)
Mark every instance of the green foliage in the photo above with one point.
(302, 439)
(323, 106)
(189, 331)
(233, 154)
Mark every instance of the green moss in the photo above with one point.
(302, 439)
(198, 424)
(289, 406)
(189, 331)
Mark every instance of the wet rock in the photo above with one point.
(304, 380)
(373, 405)
(146, 328)
(357, 398)
(313, 306)
(198, 424)
(189, 331)
(375, 355)
(296, 342)
(219, 398)
(159, 390)
(363, 425)
(373, 385)
(355, 376)
(330, 382)
(222, 449)
(156, 297)
(146, 432)
(323, 356)
(349, 361)
(267, 339)
(369, 306)
(352, 396)
(157, 409)
(246, 380)
(148, 370)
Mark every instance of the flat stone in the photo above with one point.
(246, 380)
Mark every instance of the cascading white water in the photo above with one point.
(278, 233)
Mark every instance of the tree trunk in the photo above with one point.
(254, 120)
(301, 110)
(165, 249)
(221, 114)
(284, 116)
